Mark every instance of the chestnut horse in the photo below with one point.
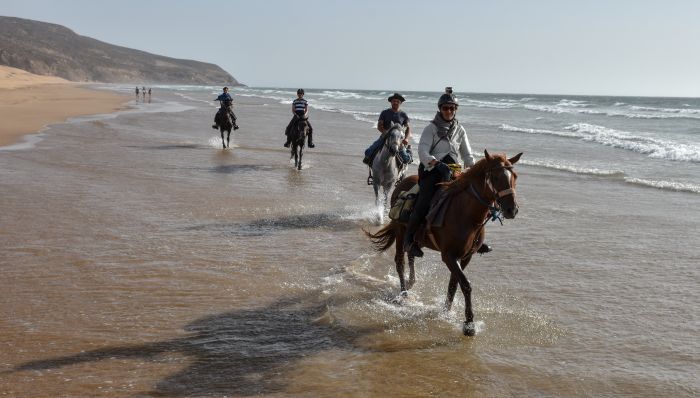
(485, 191)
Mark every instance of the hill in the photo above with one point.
(54, 50)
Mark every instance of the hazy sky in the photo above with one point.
(606, 47)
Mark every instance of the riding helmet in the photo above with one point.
(300, 91)
(447, 99)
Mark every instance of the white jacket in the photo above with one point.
(456, 144)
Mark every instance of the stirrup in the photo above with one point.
(370, 180)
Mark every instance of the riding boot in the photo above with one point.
(484, 248)
(233, 118)
(409, 244)
(286, 132)
(310, 136)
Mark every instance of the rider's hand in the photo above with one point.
(405, 141)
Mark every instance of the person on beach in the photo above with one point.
(393, 114)
(444, 141)
(300, 110)
(226, 102)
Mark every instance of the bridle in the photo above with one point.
(392, 151)
(494, 209)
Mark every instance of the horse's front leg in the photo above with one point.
(456, 272)
(411, 272)
(452, 285)
(223, 143)
(301, 154)
(398, 259)
(228, 139)
(376, 194)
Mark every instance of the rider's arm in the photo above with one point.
(407, 135)
(380, 124)
(426, 140)
(465, 150)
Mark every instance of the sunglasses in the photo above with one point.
(449, 108)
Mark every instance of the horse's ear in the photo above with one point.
(486, 154)
(515, 158)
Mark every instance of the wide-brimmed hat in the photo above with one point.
(397, 96)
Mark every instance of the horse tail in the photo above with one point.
(384, 238)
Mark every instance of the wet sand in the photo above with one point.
(29, 102)
(140, 259)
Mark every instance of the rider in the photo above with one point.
(395, 115)
(300, 110)
(444, 141)
(226, 102)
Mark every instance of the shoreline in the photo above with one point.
(29, 102)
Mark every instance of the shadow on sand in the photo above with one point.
(245, 352)
(267, 226)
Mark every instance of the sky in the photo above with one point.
(592, 47)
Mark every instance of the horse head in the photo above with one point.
(501, 179)
(395, 136)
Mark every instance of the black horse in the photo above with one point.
(225, 121)
(297, 136)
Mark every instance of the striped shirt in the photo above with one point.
(299, 105)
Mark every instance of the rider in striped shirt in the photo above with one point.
(300, 109)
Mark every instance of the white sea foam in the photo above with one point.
(506, 127)
(573, 168)
(653, 147)
(666, 185)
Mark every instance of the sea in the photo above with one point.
(139, 258)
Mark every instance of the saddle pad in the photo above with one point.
(438, 208)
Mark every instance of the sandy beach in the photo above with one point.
(29, 102)
(139, 259)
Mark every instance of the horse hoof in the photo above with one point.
(469, 329)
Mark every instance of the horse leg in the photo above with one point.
(456, 272)
(398, 259)
(301, 154)
(452, 285)
(228, 139)
(296, 155)
(222, 138)
(411, 271)
(376, 193)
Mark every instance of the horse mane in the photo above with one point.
(464, 179)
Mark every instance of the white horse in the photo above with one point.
(385, 170)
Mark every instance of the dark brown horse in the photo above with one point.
(485, 191)
(225, 120)
(297, 136)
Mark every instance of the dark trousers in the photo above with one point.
(297, 116)
(428, 180)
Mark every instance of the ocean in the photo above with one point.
(138, 258)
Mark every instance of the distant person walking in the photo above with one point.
(137, 91)
(300, 110)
